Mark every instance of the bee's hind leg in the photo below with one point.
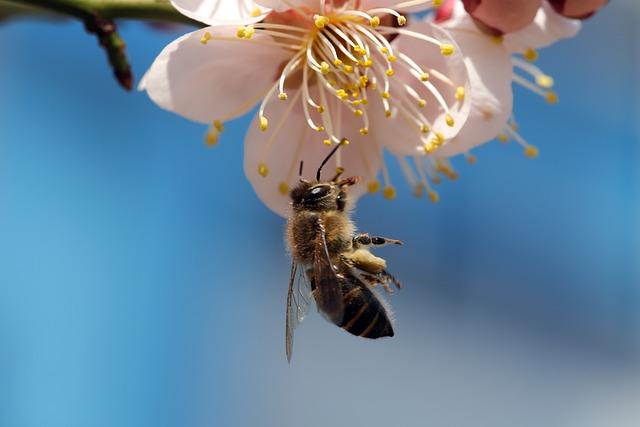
(388, 277)
(363, 239)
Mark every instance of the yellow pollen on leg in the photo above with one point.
(283, 188)
(389, 192)
(205, 37)
(530, 55)
(459, 93)
(264, 123)
(373, 186)
(447, 49)
(263, 170)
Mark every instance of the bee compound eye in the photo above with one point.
(319, 191)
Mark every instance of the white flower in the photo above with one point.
(321, 71)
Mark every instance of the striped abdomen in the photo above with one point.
(364, 313)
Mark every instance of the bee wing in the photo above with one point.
(298, 300)
(328, 292)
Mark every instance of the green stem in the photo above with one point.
(160, 10)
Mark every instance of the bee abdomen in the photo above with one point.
(364, 314)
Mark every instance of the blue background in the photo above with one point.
(142, 283)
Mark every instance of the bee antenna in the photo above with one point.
(300, 169)
(326, 159)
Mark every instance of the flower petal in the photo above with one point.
(401, 135)
(213, 12)
(393, 4)
(579, 9)
(502, 16)
(281, 6)
(547, 28)
(272, 158)
(491, 72)
(218, 80)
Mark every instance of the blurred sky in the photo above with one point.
(142, 283)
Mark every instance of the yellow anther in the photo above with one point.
(359, 51)
(211, 138)
(439, 138)
(433, 196)
(326, 141)
(324, 68)
(345, 141)
(530, 55)
(503, 138)
(387, 113)
(453, 175)
(497, 39)
(342, 94)
(348, 68)
(283, 188)
(282, 96)
(249, 32)
(364, 131)
(531, 151)
(544, 81)
(358, 113)
(363, 81)
(218, 125)
(449, 120)
(437, 3)
(392, 58)
(418, 190)
(205, 37)
(321, 21)
(337, 62)
(256, 12)
(320, 109)
(320, 128)
(384, 50)
(424, 77)
(263, 170)
(459, 93)
(425, 129)
(402, 20)
(389, 192)
(551, 97)
(390, 72)
(447, 49)
(375, 21)
(422, 103)
(373, 186)
(368, 63)
(355, 94)
(241, 32)
(264, 123)
(385, 95)
(471, 159)
(357, 102)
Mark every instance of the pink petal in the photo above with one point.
(547, 28)
(392, 4)
(490, 69)
(281, 147)
(502, 16)
(214, 81)
(579, 9)
(280, 6)
(403, 137)
(213, 12)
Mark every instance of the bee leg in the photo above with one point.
(363, 239)
(388, 277)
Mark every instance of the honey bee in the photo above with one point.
(340, 271)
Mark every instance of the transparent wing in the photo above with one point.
(298, 300)
(327, 292)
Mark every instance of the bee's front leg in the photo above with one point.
(364, 240)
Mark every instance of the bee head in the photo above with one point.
(322, 195)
